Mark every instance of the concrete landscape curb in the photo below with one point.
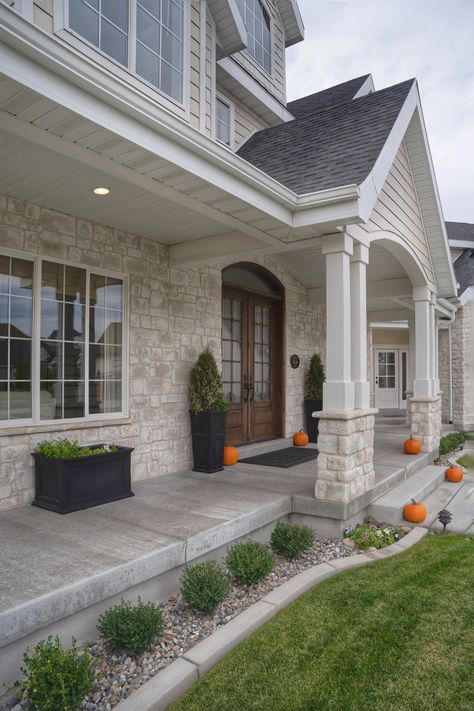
(171, 683)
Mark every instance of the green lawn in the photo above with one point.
(397, 635)
(466, 461)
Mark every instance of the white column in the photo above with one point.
(412, 353)
(338, 392)
(358, 269)
(434, 354)
(423, 384)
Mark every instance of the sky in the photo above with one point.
(394, 40)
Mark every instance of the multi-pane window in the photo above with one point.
(146, 36)
(262, 352)
(70, 366)
(16, 328)
(223, 121)
(257, 24)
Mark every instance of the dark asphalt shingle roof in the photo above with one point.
(327, 98)
(464, 270)
(460, 230)
(329, 147)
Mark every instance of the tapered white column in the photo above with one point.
(423, 384)
(412, 354)
(338, 391)
(358, 269)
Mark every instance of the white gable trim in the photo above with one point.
(292, 21)
(410, 126)
(230, 28)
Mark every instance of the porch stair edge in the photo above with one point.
(388, 508)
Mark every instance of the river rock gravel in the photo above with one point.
(117, 675)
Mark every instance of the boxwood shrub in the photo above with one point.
(451, 441)
(204, 586)
(132, 628)
(291, 540)
(56, 678)
(249, 562)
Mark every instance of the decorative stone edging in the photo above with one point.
(171, 683)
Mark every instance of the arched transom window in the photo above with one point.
(257, 23)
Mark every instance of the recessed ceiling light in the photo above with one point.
(101, 191)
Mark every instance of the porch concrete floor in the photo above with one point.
(171, 520)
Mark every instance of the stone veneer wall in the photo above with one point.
(462, 344)
(174, 313)
(443, 371)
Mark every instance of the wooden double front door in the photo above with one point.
(251, 365)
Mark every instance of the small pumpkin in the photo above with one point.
(231, 455)
(414, 512)
(300, 439)
(412, 446)
(454, 474)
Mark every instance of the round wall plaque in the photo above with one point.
(294, 360)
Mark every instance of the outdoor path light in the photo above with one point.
(445, 517)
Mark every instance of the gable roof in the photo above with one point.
(464, 270)
(335, 144)
(460, 231)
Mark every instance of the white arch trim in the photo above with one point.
(405, 254)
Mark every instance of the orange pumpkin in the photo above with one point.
(412, 446)
(231, 455)
(300, 439)
(414, 512)
(454, 474)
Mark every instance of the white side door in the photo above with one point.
(386, 378)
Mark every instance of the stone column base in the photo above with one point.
(346, 452)
(426, 421)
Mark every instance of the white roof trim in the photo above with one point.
(230, 27)
(410, 126)
(461, 243)
(292, 21)
(367, 88)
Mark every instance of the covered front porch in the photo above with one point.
(61, 572)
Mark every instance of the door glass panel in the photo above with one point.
(262, 353)
(232, 349)
(404, 375)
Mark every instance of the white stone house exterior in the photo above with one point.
(232, 218)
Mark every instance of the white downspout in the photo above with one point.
(450, 374)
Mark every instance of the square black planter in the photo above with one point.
(65, 485)
(312, 423)
(208, 435)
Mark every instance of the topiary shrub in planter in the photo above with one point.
(132, 628)
(249, 562)
(208, 410)
(291, 540)
(70, 478)
(313, 394)
(204, 586)
(57, 679)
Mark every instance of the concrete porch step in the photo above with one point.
(458, 499)
(389, 507)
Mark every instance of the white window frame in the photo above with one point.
(252, 59)
(73, 38)
(35, 420)
(231, 105)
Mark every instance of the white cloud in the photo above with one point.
(396, 40)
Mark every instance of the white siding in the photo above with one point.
(397, 210)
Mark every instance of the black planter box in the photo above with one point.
(65, 485)
(312, 423)
(208, 435)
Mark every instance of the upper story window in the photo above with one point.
(223, 121)
(145, 36)
(257, 23)
(62, 352)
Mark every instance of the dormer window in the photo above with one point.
(145, 36)
(257, 23)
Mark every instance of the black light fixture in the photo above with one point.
(445, 517)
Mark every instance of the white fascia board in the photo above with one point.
(292, 21)
(257, 91)
(467, 296)
(230, 27)
(368, 87)
(461, 243)
(389, 324)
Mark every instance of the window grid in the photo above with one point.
(156, 57)
(232, 349)
(223, 121)
(257, 24)
(40, 410)
(262, 352)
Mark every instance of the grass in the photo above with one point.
(467, 461)
(397, 635)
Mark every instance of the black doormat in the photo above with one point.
(284, 458)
